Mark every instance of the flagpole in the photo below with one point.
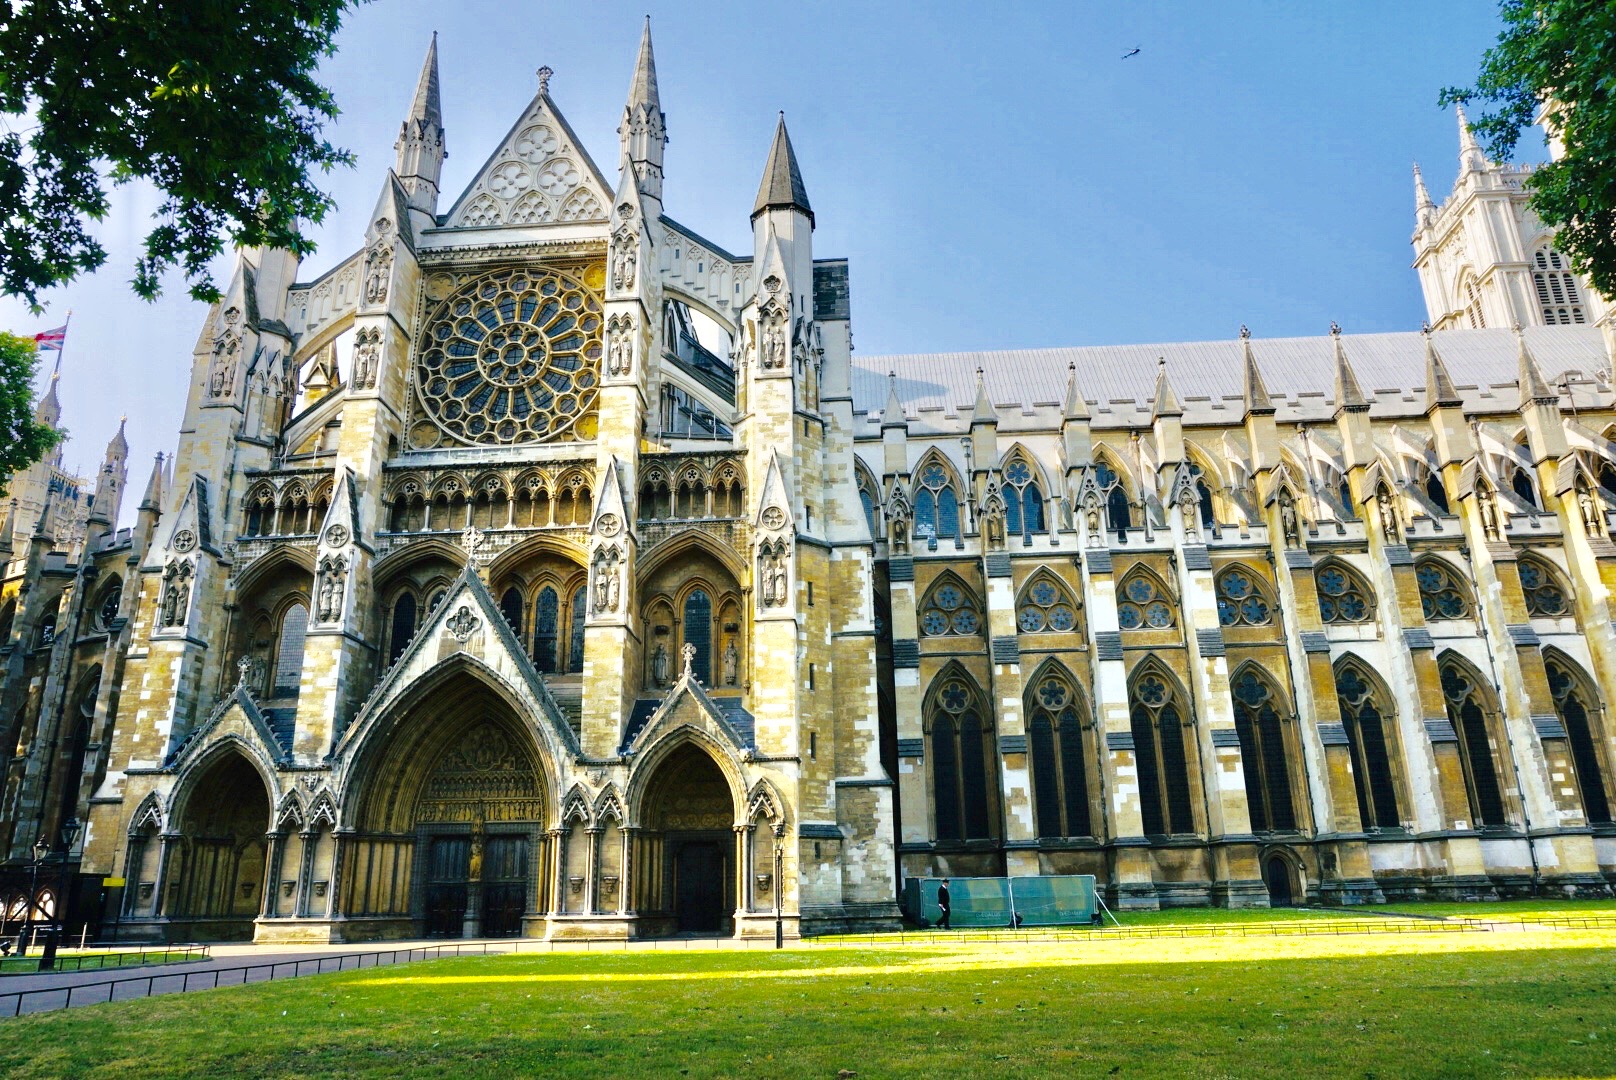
(60, 349)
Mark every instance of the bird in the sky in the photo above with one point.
(1132, 52)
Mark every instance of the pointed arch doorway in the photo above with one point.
(689, 844)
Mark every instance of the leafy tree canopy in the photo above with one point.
(213, 101)
(1563, 53)
(23, 440)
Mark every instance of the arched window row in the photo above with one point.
(706, 617)
(937, 503)
(1369, 720)
(295, 508)
(692, 490)
(1023, 499)
(532, 500)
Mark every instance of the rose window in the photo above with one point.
(513, 358)
(1440, 594)
(1046, 608)
(1239, 602)
(1341, 598)
(1143, 606)
(949, 611)
(535, 144)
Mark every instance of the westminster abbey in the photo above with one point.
(545, 569)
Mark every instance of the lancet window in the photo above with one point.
(1578, 709)
(1118, 511)
(1468, 712)
(289, 650)
(1055, 727)
(1240, 599)
(1343, 596)
(1023, 499)
(1158, 721)
(1366, 719)
(961, 751)
(1145, 605)
(1441, 594)
(1520, 482)
(402, 627)
(1262, 753)
(1557, 294)
(936, 503)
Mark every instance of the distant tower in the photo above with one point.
(1485, 260)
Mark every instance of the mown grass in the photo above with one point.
(1502, 910)
(92, 959)
(1530, 1003)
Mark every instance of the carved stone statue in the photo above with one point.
(1091, 523)
(1287, 519)
(623, 261)
(993, 526)
(378, 273)
(772, 576)
(1488, 510)
(176, 602)
(620, 358)
(1593, 515)
(732, 663)
(659, 665)
(367, 356)
(774, 342)
(333, 584)
(900, 534)
(1388, 515)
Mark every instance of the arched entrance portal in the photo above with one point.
(215, 876)
(688, 844)
(1278, 873)
(453, 822)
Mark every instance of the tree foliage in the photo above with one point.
(23, 440)
(1560, 52)
(212, 101)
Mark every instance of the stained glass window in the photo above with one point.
(1046, 608)
(1143, 605)
(949, 610)
(1240, 602)
(1342, 597)
(1441, 595)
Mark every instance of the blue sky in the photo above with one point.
(997, 174)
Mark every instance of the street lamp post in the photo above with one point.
(47, 960)
(41, 849)
(779, 887)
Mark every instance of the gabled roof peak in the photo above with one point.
(782, 187)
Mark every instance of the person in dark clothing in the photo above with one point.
(942, 903)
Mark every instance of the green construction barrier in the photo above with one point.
(1053, 900)
(974, 901)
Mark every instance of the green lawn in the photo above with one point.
(93, 959)
(1504, 910)
(1534, 1003)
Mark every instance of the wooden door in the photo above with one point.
(699, 887)
(504, 886)
(448, 867)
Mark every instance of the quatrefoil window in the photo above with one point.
(513, 358)
(949, 611)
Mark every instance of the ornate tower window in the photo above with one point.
(1557, 292)
(1520, 482)
(1046, 607)
(546, 629)
(1023, 500)
(1470, 297)
(1364, 717)
(512, 358)
(871, 502)
(1059, 777)
(1158, 722)
(936, 503)
(950, 609)
(402, 628)
(1240, 600)
(1145, 605)
(1262, 754)
(1441, 594)
(1467, 711)
(960, 752)
(289, 653)
(1578, 708)
(1546, 598)
(1118, 513)
(1343, 597)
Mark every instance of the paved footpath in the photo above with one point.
(50, 991)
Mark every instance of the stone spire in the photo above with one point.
(1535, 389)
(1471, 158)
(892, 415)
(109, 485)
(1166, 403)
(1256, 391)
(1439, 389)
(1349, 396)
(983, 411)
(153, 499)
(118, 447)
(643, 132)
(420, 143)
(782, 187)
(1424, 208)
(49, 409)
(1076, 407)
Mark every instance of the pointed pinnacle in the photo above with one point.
(1470, 154)
(119, 446)
(1349, 396)
(153, 499)
(1423, 206)
(642, 90)
(1077, 407)
(892, 414)
(427, 107)
(782, 187)
(1439, 389)
(1258, 403)
(983, 412)
(1535, 389)
(1167, 403)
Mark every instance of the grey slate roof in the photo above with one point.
(1208, 376)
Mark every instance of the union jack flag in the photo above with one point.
(51, 339)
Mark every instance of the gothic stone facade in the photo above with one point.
(545, 569)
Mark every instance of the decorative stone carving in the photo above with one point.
(773, 581)
(226, 354)
(367, 357)
(333, 584)
(1386, 507)
(623, 260)
(184, 540)
(175, 604)
(1487, 510)
(608, 580)
(1593, 514)
(462, 624)
(774, 350)
(688, 654)
(337, 536)
(620, 349)
(378, 269)
(473, 539)
(773, 518)
(731, 663)
(659, 665)
(1289, 526)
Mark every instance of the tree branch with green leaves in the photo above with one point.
(23, 440)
